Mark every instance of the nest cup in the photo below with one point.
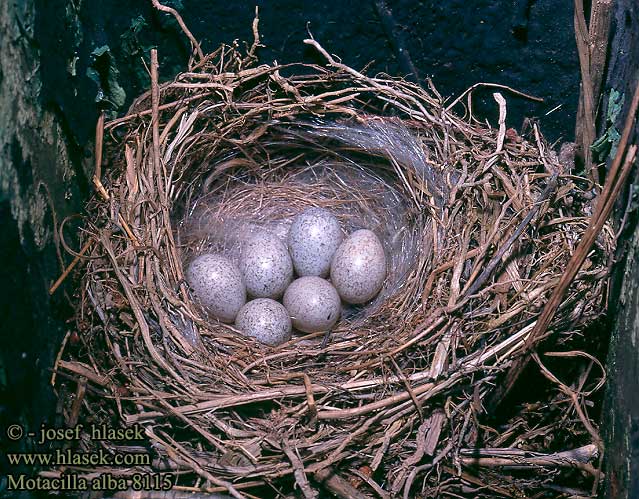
(478, 228)
(352, 181)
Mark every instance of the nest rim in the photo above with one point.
(393, 391)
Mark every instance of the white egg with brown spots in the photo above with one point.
(313, 304)
(265, 320)
(218, 284)
(313, 238)
(266, 265)
(359, 267)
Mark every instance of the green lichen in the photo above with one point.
(133, 49)
(104, 72)
(130, 39)
(607, 143)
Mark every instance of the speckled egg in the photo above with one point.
(280, 228)
(265, 320)
(313, 239)
(359, 267)
(217, 282)
(313, 304)
(266, 265)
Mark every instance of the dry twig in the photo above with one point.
(398, 392)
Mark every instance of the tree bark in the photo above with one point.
(38, 188)
(621, 411)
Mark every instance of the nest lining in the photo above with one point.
(220, 220)
(393, 399)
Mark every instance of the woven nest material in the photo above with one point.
(394, 401)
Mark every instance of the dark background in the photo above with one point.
(527, 44)
(60, 84)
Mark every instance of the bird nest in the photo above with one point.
(399, 398)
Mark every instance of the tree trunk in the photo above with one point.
(39, 186)
(621, 416)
